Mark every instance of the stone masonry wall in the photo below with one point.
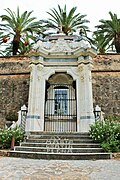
(14, 84)
(106, 83)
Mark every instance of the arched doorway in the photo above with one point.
(60, 103)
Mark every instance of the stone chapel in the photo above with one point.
(60, 92)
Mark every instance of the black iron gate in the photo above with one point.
(60, 108)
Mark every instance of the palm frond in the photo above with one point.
(111, 31)
(17, 24)
(67, 21)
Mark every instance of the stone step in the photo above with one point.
(47, 145)
(58, 137)
(58, 149)
(75, 145)
(60, 156)
(45, 133)
(52, 140)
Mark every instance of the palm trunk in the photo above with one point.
(117, 42)
(16, 42)
(102, 51)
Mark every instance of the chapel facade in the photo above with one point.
(60, 92)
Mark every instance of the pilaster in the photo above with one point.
(35, 116)
(86, 116)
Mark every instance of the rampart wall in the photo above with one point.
(14, 84)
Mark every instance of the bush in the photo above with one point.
(106, 133)
(6, 137)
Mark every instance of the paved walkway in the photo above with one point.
(28, 169)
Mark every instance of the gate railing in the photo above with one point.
(60, 125)
(60, 108)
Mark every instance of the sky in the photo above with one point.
(94, 9)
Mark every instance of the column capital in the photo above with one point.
(85, 60)
(36, 60)
(31, 66)
(81, 67)
(40, 66)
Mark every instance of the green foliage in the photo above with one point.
(18, 28)
(99, 41)
(67, 22)
(109, 32)
(111, 145)
(107, 133)
(6, 137)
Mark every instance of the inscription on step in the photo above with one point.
(58, 145)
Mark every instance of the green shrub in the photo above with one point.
(111, 145)
(6, 137)
(107, 133)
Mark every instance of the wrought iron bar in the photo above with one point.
(60, 109)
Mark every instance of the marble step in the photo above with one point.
(60, 156)
(83, 140)
(56, 149)
(58, 137)
(75, 145)
(45, 133)
(67, 146)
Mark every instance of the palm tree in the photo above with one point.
(22, 50)
(19, 27)
(65, 22)
(100, 43)
(2, 40)
(110, 30)
(25, 47)
(1, 37)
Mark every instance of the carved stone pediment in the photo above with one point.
(62, 45)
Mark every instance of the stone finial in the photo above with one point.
(23, 108)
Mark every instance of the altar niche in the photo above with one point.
(60, 104)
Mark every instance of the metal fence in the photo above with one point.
(60, 108)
